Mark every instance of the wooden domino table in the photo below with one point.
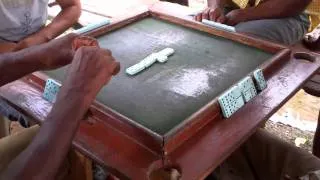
(168, 115)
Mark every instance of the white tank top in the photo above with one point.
(20, 18)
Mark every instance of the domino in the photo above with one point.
(247, 88)
(219, 25)
(162, 59)
(135, 69)
(92, 26)
(231, 101)
(166, 52)
(260, 80)
(51, 90)
(249, 94)
(149, 60)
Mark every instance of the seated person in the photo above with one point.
(282, 21)
(23, 22)
(37, 152)
(23, 25)
(262, 157)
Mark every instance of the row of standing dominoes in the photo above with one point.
(234, 98)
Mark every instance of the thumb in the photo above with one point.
(222, 19)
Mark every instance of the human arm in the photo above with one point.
(90, 70)
(7, 47)
(69, 14)
(43, 57)
(269, 9)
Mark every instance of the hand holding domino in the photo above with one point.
(97, 67)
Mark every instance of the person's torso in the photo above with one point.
(20, 18)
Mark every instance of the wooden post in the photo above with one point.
(80, 167)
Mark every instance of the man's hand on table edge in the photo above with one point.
(236, 16)
(216, 14)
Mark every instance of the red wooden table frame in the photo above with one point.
(199, 144)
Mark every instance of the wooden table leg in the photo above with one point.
(316, 140)
(77, 167)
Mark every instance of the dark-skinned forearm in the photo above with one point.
(64, 20)
(43, 157)
(272, 9)
(18, 64)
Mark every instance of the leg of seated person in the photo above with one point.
(286, 31)
(11, 146)
(265, 156)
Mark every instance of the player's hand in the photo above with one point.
(312, 39)
(235, 17)
(90, 70)
(212, 14)
(57, 53)
(31, 40)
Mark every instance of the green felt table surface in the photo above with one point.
(164, 95)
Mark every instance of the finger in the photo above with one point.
(198, 17)
(81, 41)
(205, 14)
(229, 22)
(115, 68)
(221, 19)
(106, 52)
(212, 15)
(112, 66)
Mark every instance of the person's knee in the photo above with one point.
(286, 31)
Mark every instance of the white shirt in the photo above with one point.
(20, 18)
